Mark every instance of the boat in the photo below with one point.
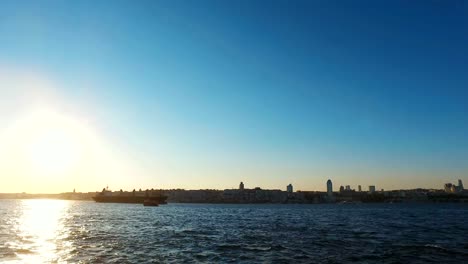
(149, 202)
(134, 197)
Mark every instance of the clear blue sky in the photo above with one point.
(209, 93)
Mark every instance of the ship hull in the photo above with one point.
(129, 199)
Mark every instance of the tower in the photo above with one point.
(329, 188)
(241, 186)
(460, 185)
(359, 188)
(289, 188)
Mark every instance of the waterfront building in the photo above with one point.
(289, 188)
(241, 186)
(329, 188)
(372, 189)
(359, 188)
(454, 188)
(348, 188)
(341, 188)
(448, 187)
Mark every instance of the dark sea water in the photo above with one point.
(43, 231)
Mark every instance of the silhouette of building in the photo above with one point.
(448, 187)
(329, 188)
(341, 188)
(372, 189)
(241, 186)
(451, 188)
(454, 189)
(289, 188)
(348, 188)
(359, 188)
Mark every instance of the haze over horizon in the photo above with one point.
(173, 94)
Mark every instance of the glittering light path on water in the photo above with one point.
(47, 231)
(37, 227)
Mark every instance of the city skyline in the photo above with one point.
(288, 188)
(171, 94)
(257, 195)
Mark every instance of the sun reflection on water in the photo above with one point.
(40, 229)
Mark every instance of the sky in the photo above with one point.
(205, 94)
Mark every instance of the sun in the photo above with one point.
(49, 149)
(54, 150)
(53, 144)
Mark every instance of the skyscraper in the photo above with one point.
(329, 188)
(241, 186)
(372, 189)
(289, 188)
(359, 188)
(460, 185)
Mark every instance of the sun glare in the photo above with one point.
(40, 223)
(51, 151)
(54, 150)
(48, 144)
(52, 144)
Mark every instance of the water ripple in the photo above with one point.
(86, 232)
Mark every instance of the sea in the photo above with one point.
(57, 231)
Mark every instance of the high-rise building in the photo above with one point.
(359, 188)
(329, 188)
(348, 188)
(372, 189)
(460, 185)
(241, 186)
(341, 188)
(289, 188)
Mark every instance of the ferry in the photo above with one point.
(153, 197)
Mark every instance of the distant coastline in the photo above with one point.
(262, 196)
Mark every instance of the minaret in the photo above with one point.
(329, 188)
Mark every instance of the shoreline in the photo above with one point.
(259, 203)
